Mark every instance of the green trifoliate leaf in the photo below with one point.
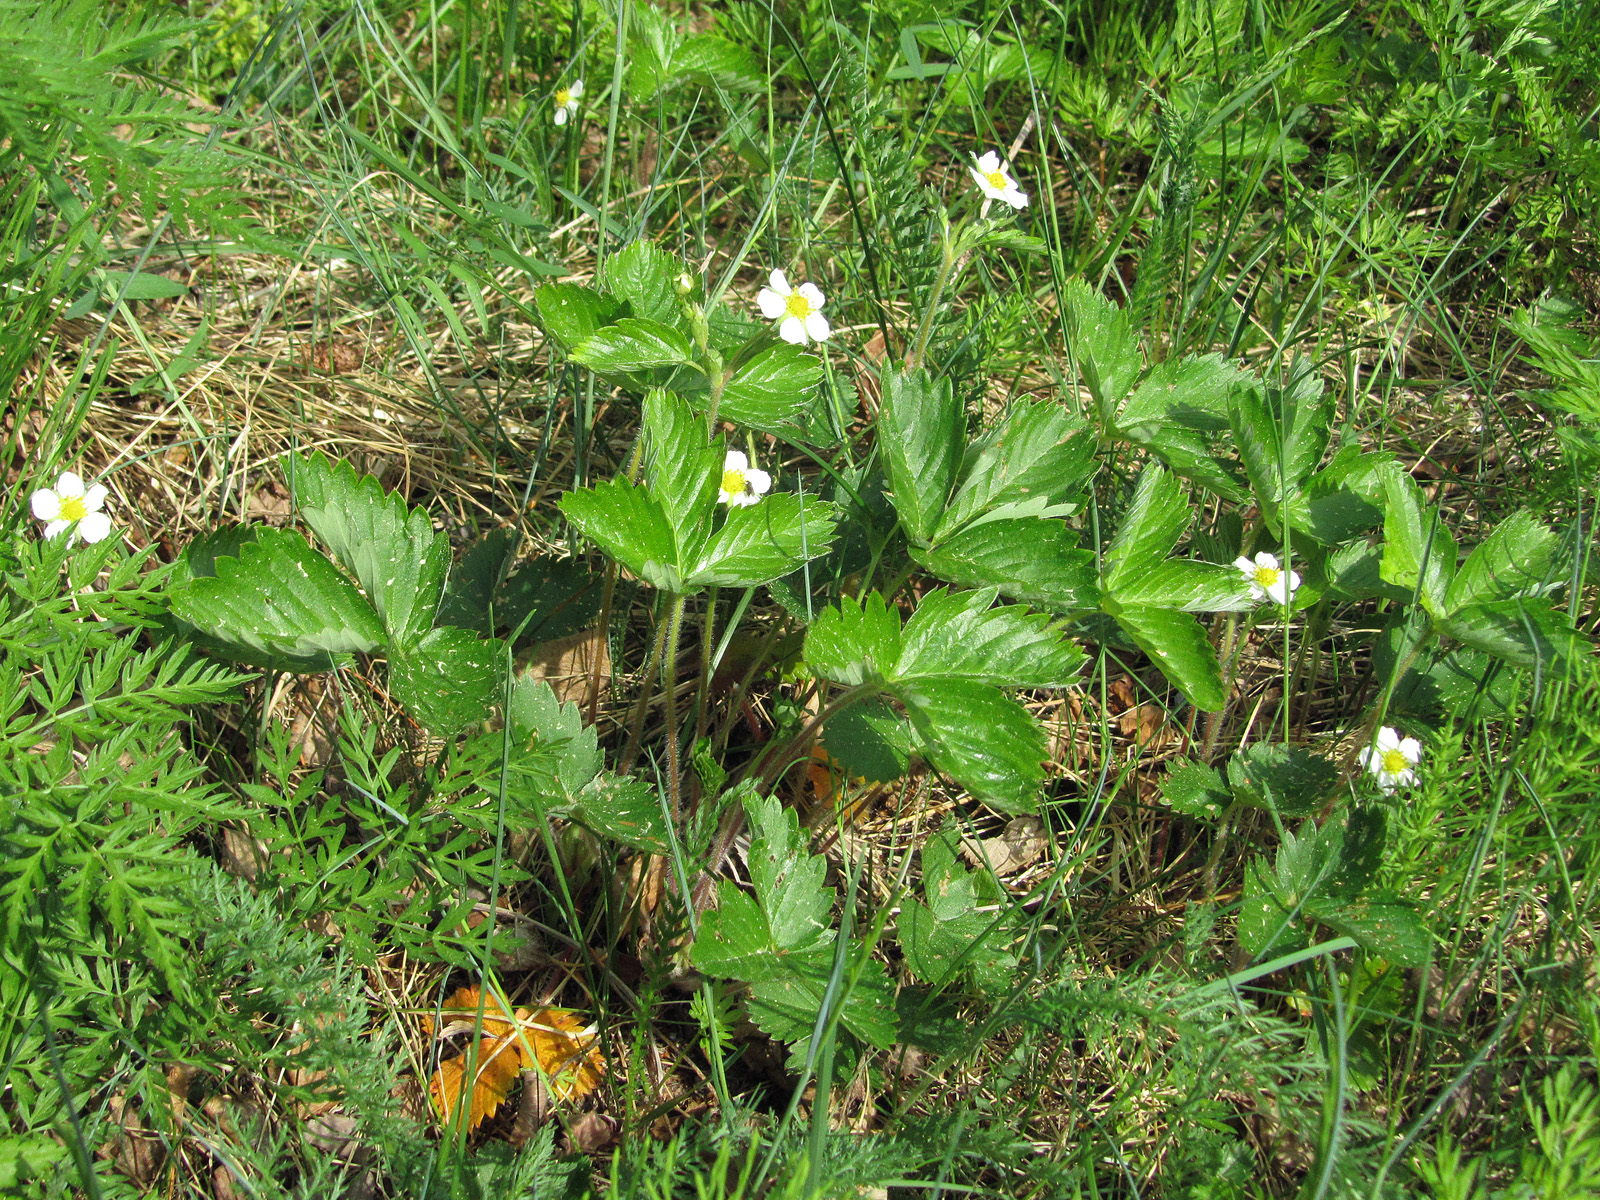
(395, 555)
(448, 679)
(682, 468)
(1380, 923)
(1036, 453)
(987, 743)
(1525, 633)
(765, 541)
(772, 389)
(540, 721)
(1418, 553)
(1289, 779)
(960, 635)
(1510, 562)
(781, 939)
(920, 435)
(1175, 642)
(572, 314)
(631, 527)
(1031, 558)
(854, 643)
(786, 1003)
(646, 276)
(280, 602)
(714, 61)
(939, 949)
(869, 742)
(554, 770)
(1103, 346)
(787, 877)
(1188, 586)
(633, 344)
(544, 599)
(622, 808)
(1156, 518)
(1281, 436)
(1195, 790)
(1190, 392)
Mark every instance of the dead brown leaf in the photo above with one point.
(1019, 845)
(568, 663)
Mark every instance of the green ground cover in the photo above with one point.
(807, 599)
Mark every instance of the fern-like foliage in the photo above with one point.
(902, 219)
(97, 789)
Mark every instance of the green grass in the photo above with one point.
(235, 895)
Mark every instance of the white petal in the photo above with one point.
(1412, 749)
(561, 115)
(95, 498)
(94, 527)
(993, 193)
(813, 294)
(793, 331)
(46, 504)
(70, 483)
(780, 283)
(56, 527)
(734, 460)
(770, 303)
(1387, 740)
(1366, 756)
(817, 327)
(1267, 560)
(742, 500)
(1245, 565)
(1294, 580)
(989, 162)
(979, 178)
(575, 89)
(1015, 197)
(758, 481)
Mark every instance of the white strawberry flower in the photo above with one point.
(741, 484)
(799, 307)
(69, 506)
(1392, 759)
(1267, 579)
(996, 183)
(566, 101)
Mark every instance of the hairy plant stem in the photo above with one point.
(674, 770)
(702, 714)
(606, 596)
(646, 687)
(718, 379)
(947, 262)
(1214, 720)
(1208, 877)
(770, 765)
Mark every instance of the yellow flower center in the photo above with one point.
(1267, 576)
(997, 180)
(797, 305)
(733, 482)
(72, 508)
(1394, 762)
(563, 97)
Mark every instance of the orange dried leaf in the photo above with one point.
(568, 1052)
(497, 1065)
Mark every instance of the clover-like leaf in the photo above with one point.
(279, 604)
